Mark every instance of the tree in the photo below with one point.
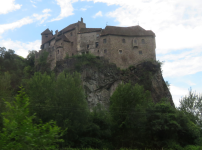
(192, 106)
(61, 99)
(20, 132)
(128, 105)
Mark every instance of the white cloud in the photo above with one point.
(182, 64)
(83, 9)
(7, 6)
(66, 9)
(98, 14)
(34, 6)
(17, 24)
(20, 47)
(44, 16)
(177, 94)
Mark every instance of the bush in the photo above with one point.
(19, 131)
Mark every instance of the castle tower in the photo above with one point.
(45, 35)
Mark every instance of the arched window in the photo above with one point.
(143, 41)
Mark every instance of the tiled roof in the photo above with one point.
(63, 37)
(87, 30)
(47, 31)
(127, 31)
(70, 27)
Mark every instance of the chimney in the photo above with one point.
(56, 32)
(81, 20)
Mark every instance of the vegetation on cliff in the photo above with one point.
(58, 99)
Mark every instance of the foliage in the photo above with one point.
(20, 132)
(86, 59)
(192, 106)
(61, 99)
(127, 108)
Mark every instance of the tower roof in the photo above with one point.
(47, 31)
(127, 31)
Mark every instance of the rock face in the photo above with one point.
(100, 78)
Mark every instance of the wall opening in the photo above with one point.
(135, 47)
(123, 41)
(120, 51)
(143, 41)
(87, 46)
(46, 36)
(105, 51)
(135, 41)
(72, 43)
(58, 51)
(96, 44)
(104, 40)
(140, 52)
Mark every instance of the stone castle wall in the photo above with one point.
(123, 51)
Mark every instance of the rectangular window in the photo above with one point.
(87, 46)
(104, 40)
(96, 44)
(120, 51)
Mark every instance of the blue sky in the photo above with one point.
(176, 23)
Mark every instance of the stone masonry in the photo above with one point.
(123, 46)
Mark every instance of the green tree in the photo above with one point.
(20, 132)
(128, 105)
(162, 125)
(61, 99)
(192, 106)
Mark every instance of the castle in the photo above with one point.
(124, 46)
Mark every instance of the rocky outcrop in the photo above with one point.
(100, 78)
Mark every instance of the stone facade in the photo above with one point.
(123, 46)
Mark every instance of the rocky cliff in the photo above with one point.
(100, 78)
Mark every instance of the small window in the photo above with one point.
(71, 33)
(96, 44)
(97, 35)
(87, 46)
(135, 47)
(72, 43)
(104, 40)
(143, 41)
(58, 51)
(120, 51)
(123, 41)
(105, 51)
(46, 36)
(140, 52)
(135, 41)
